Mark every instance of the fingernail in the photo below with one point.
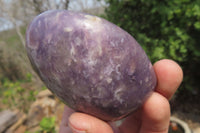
(74, 130)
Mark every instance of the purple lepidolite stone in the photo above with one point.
(91, 64)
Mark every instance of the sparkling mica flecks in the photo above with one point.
(89, 63)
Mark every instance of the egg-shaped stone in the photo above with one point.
(92, 65)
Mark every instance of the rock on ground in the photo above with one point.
(7, 118)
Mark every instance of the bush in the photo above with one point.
(165, 29)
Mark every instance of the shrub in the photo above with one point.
(165, 29)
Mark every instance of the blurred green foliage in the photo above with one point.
(165, 29)
(47, 125)
(17, 94)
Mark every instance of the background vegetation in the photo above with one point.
(165, 29)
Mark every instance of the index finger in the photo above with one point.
(169, 75)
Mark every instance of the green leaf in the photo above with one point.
(158, 52)
(183, 49)
(197, 25)
(170, 15)
(196, 10)
(48, 124)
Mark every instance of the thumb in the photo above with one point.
(83, 123)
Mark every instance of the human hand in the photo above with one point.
(152, 117)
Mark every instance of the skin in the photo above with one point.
(152, 117)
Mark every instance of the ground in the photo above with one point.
(187, 108)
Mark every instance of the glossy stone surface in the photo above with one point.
(89, 63)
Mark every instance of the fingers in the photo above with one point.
(83, 123)
(169, 76)
(64, 128)
(155, 115)
(132, 123)
(156, 110)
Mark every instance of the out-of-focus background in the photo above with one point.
(165, 29)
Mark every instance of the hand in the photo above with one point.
(152, 117)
